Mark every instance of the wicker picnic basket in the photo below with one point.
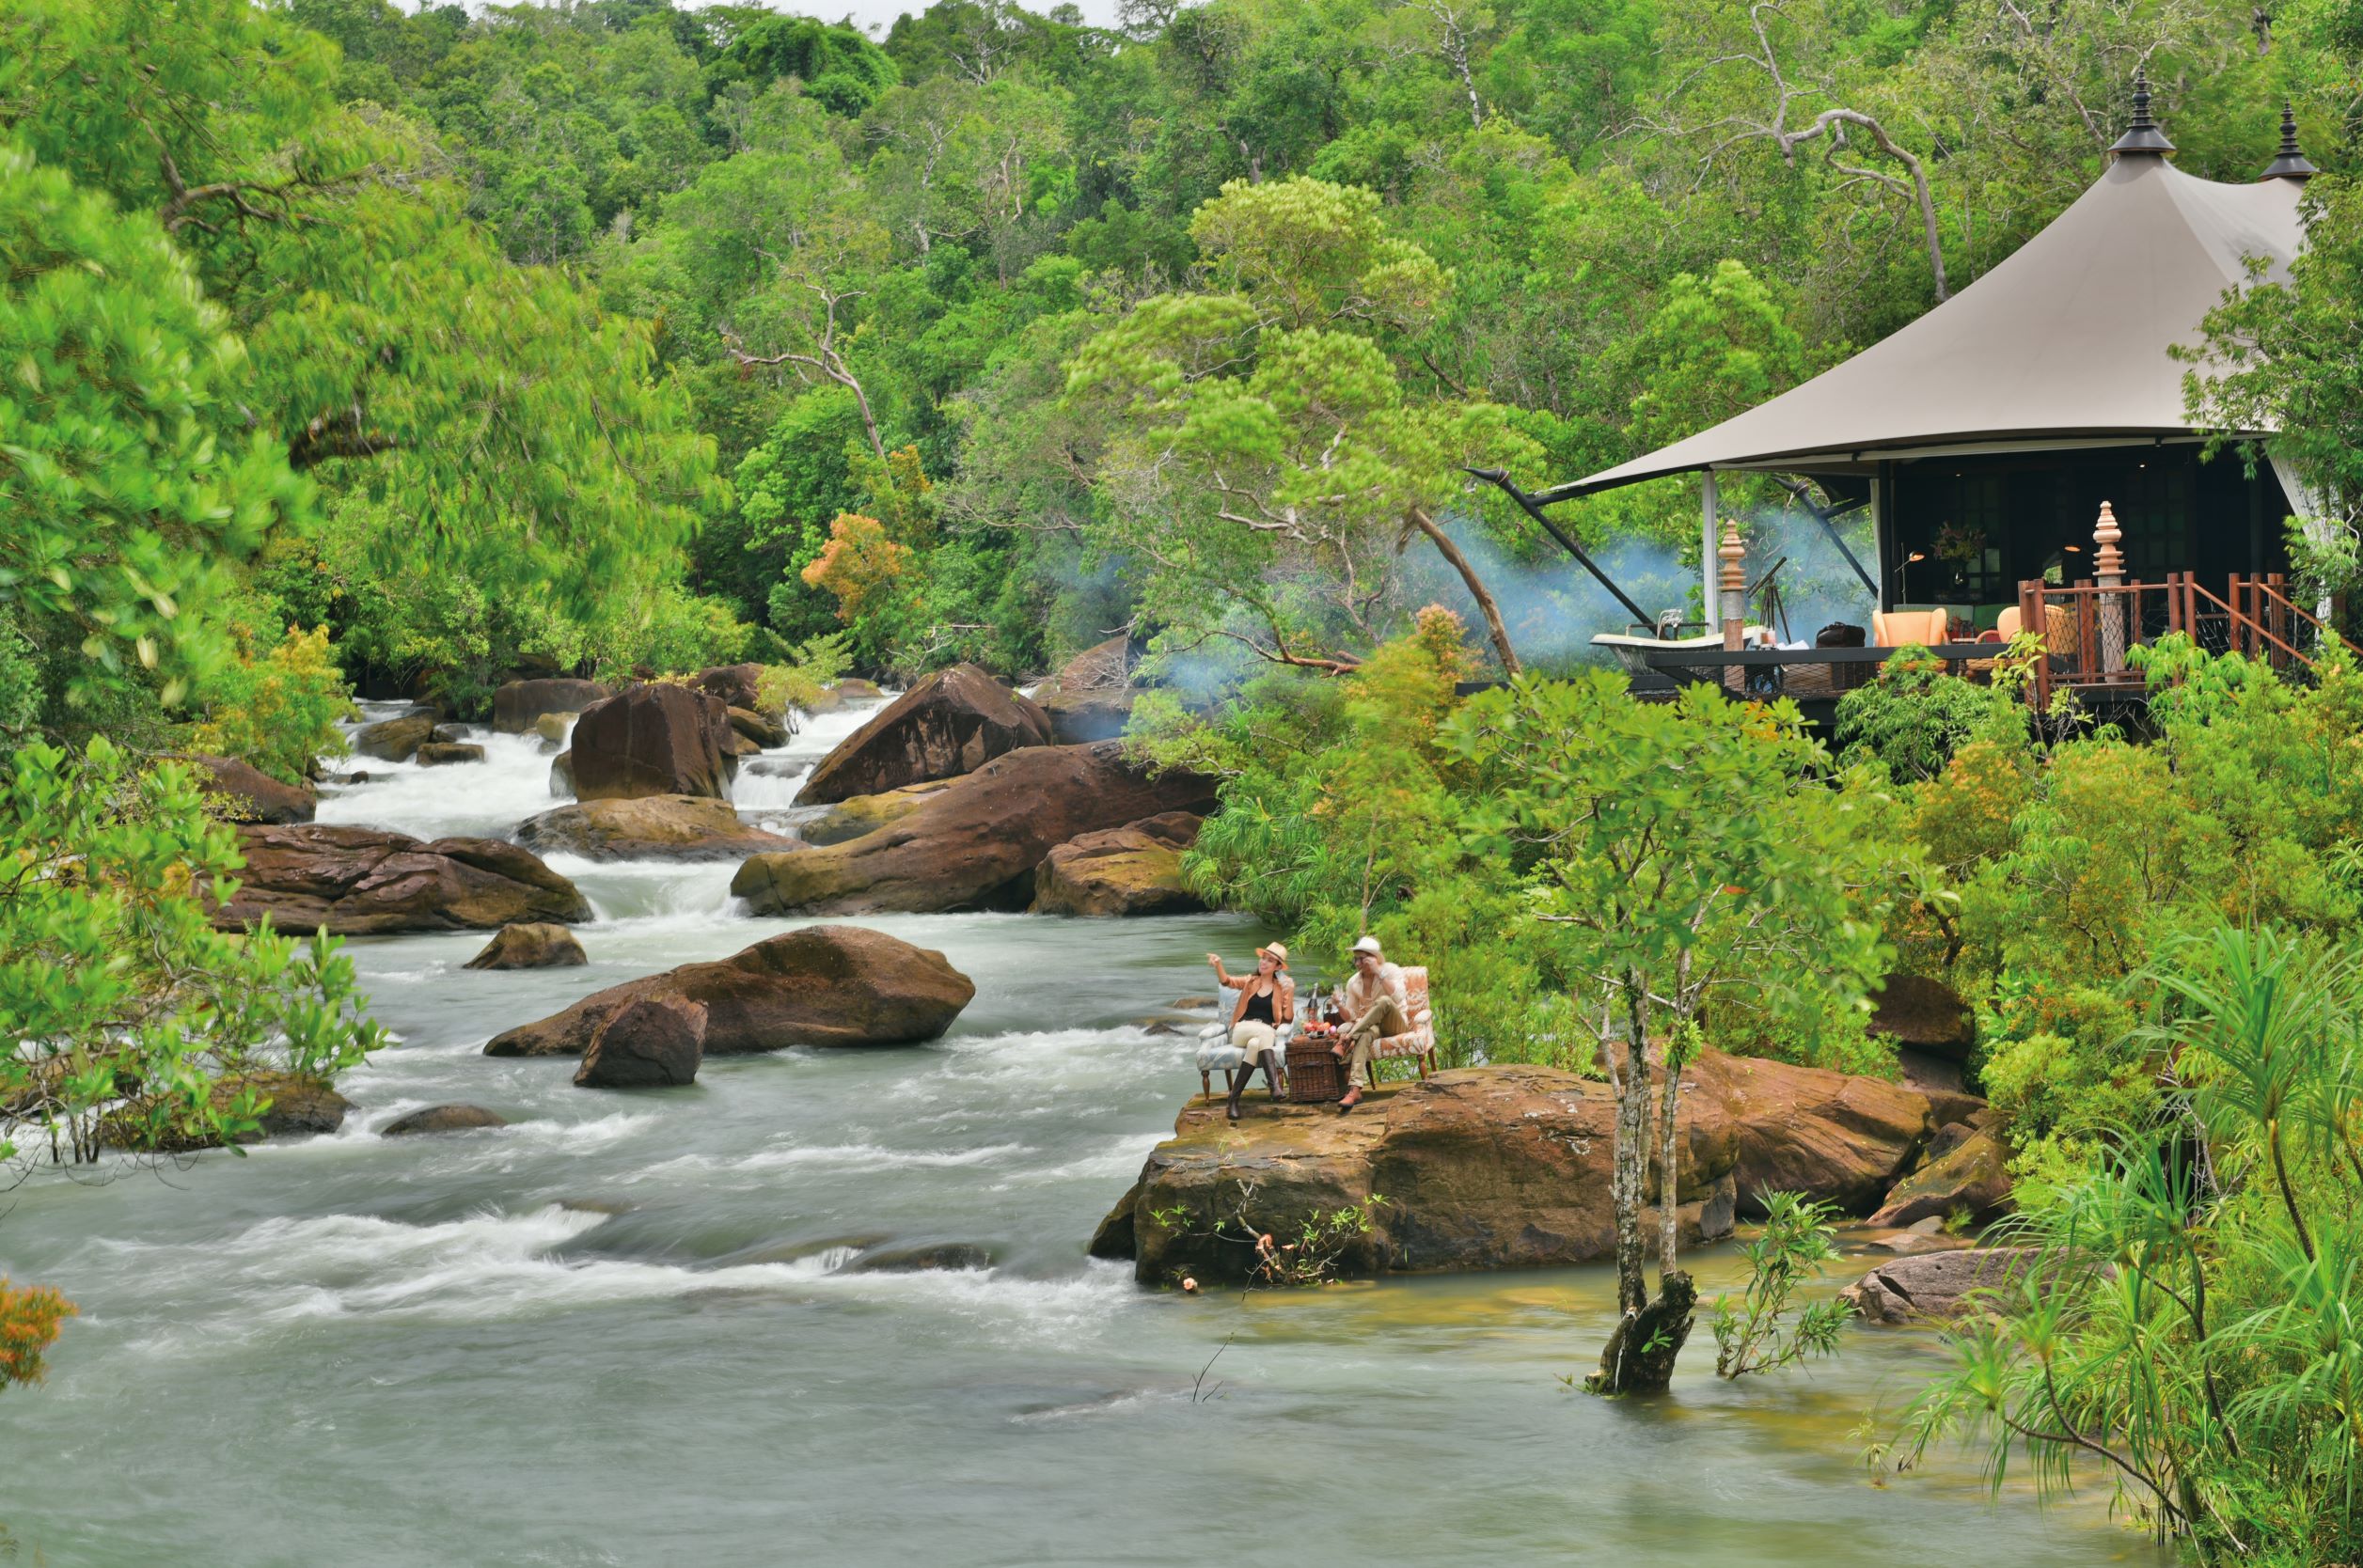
(1314, 1076)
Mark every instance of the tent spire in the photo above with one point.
(2290, 163)
(2143, 136)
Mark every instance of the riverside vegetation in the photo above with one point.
(351, 347)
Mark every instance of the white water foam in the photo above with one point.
(492, 1265)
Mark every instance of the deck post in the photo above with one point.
(2108, 567)
(2031, 619)
(1709, 503)
(1733, 599)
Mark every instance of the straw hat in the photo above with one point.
(1368, 945)
(1276, 952)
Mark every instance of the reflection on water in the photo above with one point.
(655, 1328)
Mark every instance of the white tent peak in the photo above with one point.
(2066, 343)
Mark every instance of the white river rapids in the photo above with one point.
(636, 1328)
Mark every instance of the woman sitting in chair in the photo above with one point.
(1268, 1000)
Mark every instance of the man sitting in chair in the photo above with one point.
(1376, 1007)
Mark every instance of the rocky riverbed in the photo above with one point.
(835, 1304)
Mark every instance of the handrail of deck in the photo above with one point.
(2267, 591)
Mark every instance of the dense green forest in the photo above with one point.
(612, 334)
(348, 349)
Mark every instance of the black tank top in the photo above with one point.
(1258, 1009)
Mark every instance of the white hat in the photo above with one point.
(1367, 945)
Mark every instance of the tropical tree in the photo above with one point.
(1678, 851)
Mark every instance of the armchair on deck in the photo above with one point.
(1419, 1043)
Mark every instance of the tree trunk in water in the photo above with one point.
(1633, 1155)
(1477, 590)
(1640, 1355)
(1669, 1148)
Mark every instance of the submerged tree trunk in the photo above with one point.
(1632, 1151)
(1669, 1146)
(1640, 1354)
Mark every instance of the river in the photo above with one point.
(639, 1329)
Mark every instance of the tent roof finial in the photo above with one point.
(2142, 137)
(2289, 163)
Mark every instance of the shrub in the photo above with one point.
(1914, 715)
(278, 711)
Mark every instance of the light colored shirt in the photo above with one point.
(1362, 991)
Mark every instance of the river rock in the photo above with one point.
(366, 881)
(1091, 696)
(562, 775)
(395, 740)
(654, 1041)
(552, 728)
(442, 1119)
(1835, 1137)
(651, 827)
(823, 985)
(520, 705)
(651, 740)
(1925, 1016)
(751, 726)
(951, 723)
(251, 794)
(1969, 1176)
(1481, 1167)
(1498, 1167)
(861, 814)
(534, 945)
(943, 1256)
(976, 844)
(853, 688)
(733, 685)
(298, 1107)
(1132, 869)
(1935, 1285)
(436, 754)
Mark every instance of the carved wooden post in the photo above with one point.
(2108, 566)
(1732, 587)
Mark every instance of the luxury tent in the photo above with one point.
(1985, 436)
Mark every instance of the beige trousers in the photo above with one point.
(1384, 1021)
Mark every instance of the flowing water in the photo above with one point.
(646, 1328)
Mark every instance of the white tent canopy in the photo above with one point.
(2065, 344)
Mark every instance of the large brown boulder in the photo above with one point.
(536, 944)
(395, 740)
(296, 1107)
(519, 704)
(1479, 1167)
(851, 818)
(363, 881)
(442, 1119)
(754, 727)
(436, 754)
(954, 722)
(976, 844)
(733, 685)
(1834, 1136)
(651, 740)
(1091, 698)
(1495, 1166)
(1132, 869)
(652, 827)
(250, 795)
(1925, 1016)
(823, 985)
(1936, 1285)
(651, 1041)
(1968, 1175)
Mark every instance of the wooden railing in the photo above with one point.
(2096, 627)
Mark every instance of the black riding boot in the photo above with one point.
(1239, 1086)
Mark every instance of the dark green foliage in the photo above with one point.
(1914, 716)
